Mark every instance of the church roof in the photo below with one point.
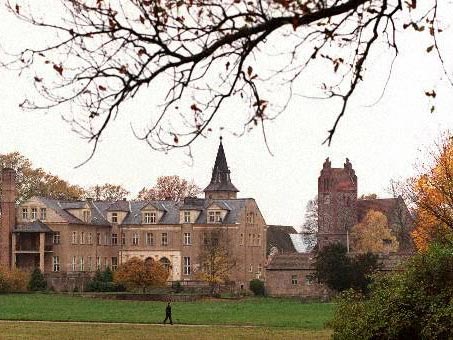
(220, 179)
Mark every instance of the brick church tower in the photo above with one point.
(337, 203)
(8, 201)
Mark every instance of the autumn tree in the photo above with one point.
(195, 56)
(310, 226)
(32, 181)
(432, 193)
(107, 192)
(215, 259)
(174, 188)
(139, 274)
(373, 234)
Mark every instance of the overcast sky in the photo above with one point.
(382, 141)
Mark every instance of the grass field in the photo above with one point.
(52, 330)
(265, 312)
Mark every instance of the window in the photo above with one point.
(327, 199)
(186, 216)
(90, 238)
(260, 268)
(114, 239)
(135, 239)
(149, 217)
(74, 237)
(253, 239)
(55, 263)
(205, 239)
(56, 237)
(215, 217)
(106, 262)
(90, 263)
(294, 279)
(251, 268)
(259, 239)
(82, 264)
(25, 213)
(86, 215)
(114, 217)
(106, 238)
(187, 239)
(186, 265)
(98, 262)
(123, 239)
(43, 214)
(250, 238)
(250, 218)
(98, 239)
(165, 263)
(74, 263)
(164, 239)
(82, 237)
(34, 213)
(149, 239)
(308, 279)
(114, 263)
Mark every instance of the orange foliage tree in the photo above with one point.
(174, 188)
(432, 192)
(373, 234)
(139, 274)
(107, 192)
(31, 181)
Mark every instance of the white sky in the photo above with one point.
(382, 141)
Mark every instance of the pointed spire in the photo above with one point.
(220, 179)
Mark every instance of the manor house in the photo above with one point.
(69, 240)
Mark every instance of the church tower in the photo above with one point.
(8, 218)
(221, 186)
(337, 203)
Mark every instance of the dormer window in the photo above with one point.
(25, 213)
(215, 217)
(186, 216)
(149, 217)
(114, 217)
(34, 213)
(43, 214)
(86, 215)
(250, 218)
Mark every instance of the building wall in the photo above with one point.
(282, 283)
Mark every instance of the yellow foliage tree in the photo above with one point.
(216, 260)
(373, 234)
(432, 192)
(136, 273)
(13, 280)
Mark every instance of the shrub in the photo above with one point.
(103, 282)
(37, 281)
(416, 303)
(257, 287)
(340, 271)
(13, 280)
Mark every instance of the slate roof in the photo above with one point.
(279, 236)
(33, 227)
(220, 179)
(170, 209)
(291, 262)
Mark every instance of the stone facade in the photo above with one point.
(69, 240)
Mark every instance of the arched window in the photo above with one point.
(149, 260)
(165, 263)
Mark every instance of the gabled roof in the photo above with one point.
(279, 236)
(33, 227)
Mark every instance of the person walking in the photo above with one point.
(168, 314)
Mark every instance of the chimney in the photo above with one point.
(8, 202)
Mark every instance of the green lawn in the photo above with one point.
(263, 312)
